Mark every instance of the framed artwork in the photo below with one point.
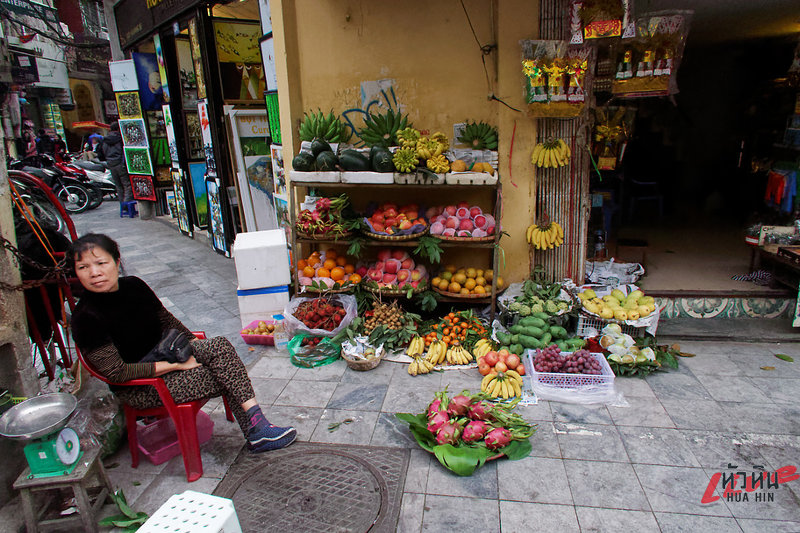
(150, 90)
(123, 75)
(162, 175)
(266, 18)
(172, 144)
(143, 187)
(181, 205)
(197, 180)
(197, 59)
(194, 136)
(162, 67)
(267, 44)
(205, 131)
(241, 70)
(133, 132)
(188, 90)
(155, 124)
(216, 222)
(138, 161)
(278, 172)
(172, 207)
(110, 107)
(128, 105)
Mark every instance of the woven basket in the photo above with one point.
(310, 289)
(394, 292)
(395, 238)
(488, 238)
(361, 364)
(316, 237)
(463, 296)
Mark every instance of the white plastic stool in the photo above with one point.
(191, 512)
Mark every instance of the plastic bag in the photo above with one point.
(324, 353)
(98, 421)
(293, 326)
(586, 395)
(611, 273)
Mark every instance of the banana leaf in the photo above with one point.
(462, 460)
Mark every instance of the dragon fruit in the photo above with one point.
(474, 431)
(437, 421)
(448, 433)
(459, 405)
(497, 438)
(433, 407)
(480, 411)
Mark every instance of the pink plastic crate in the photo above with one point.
(269, 340)
(158, 441)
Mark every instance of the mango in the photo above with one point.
(590, 294)
(620, 315)
(618, 294)
(607, 313)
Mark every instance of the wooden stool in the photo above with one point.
(78, 481)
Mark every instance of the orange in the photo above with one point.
(454, 287)
(443, 285)
(349, 269)
(500, 282)
(479, 290)
(355, 278)
(435, 281)
(480, 281)
(329, 264)
(323, 272)
(450, 268)
(469, 284)
(330, 253)
(308, 271)
(341, 260)
(301, 264)
(459, 278)
(464, 291)
(337, 274)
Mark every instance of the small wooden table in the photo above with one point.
(80, 480)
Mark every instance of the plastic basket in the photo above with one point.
(586, 323)
(572, 381)
(194, 511)
(158, 441)
(269, 340)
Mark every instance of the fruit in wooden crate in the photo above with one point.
(326, 269)
(390, 219)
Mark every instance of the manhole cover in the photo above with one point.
(313, 487)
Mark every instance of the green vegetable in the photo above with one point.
(381, 159)
(503, 338)
(543, 316)
(516, 328)
(327, 161)
(530, 342)
(318, 146)
(353, 161)
(558, 332)
(575, 342)
(515, 338)
(517, 349)
(303, 162)
(562, 346)
(524, 310)
(533, 321)
(514, 307)
(533, 332)
(546, 338)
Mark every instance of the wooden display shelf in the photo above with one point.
(409, 244)
(340, 185)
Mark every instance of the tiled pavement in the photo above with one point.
(644, 467)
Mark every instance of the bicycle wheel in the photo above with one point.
(74, 197)
(95, 195)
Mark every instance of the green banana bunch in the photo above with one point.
(408, 137)
(381, 130)
(405, 159)
(479, 136)
(329, 128)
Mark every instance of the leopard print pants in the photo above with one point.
(222, 374)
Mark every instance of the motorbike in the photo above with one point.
(68, 187)
(97, 172)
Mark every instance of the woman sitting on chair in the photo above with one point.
(119, 321)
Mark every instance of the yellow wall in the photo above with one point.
(325, 48)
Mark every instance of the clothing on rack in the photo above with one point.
(781, 189)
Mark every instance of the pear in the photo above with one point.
(645, 300)
(641, 359)
(606, 312)
(590, 294)
(606, 341)
(620, 315)
(636, 294)
(633, 314)
(582, 296)
(614, 357)
(612, 329)
(609, 298)
(630, 304)
(618, 294)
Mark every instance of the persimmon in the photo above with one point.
(484, 369)
(337, 273)
(323, 272)
(309, 271)
(329, 264)
(341, 261)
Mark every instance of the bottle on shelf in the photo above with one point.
(600, 253)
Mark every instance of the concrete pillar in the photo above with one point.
(147, 210)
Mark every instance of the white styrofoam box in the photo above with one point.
(194, 511)
(260, 258)
(471, 178)
(367, 177)
(320, 177)
(258, 304)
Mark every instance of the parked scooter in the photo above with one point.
(68, 188)
(97, 172)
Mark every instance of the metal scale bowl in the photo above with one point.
(55, 449)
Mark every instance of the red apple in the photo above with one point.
(451, 223)
(403, 275)
(384, 254)
(466, 224)
(490, 230)
(480, 221)
(407, 263)
(392, 266)
(491, 358)
(389, 279)
(361, 271)
(412, 214)
(462, 204)
(378, 227)
(415, 283)
(389, 222)
(399, 254)
(375, 274)
(390, 213)
(405, 224)
(380, 266)
(463, 233)
(377, 216)
(449, 232)
(418, 273)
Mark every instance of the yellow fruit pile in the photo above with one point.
(618, 305)
(465, 281)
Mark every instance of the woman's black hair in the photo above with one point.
(93, 240)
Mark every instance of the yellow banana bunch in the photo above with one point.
(552, 153)
(481, 348)
(438, 164)
(442, 139)
(416, 347)
(457, 355)
(502, 385)
(545, 237)
(426, 148)
(419, 365)
(436, 352)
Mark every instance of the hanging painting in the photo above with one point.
(181, 206)
(138, 161)
(150, 90)
(128, 105)
(162, 68)
(133, 132)
(239, 59)
(143, 188)
(205, 130)
(216, 220)
(197, 175)
(197, 59)
(123, 75)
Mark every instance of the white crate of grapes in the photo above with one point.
(569, 370)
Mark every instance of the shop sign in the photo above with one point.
(23, 68)
(134, 20)
(252, 125)
(164, 10)
(603, 28)
(52, 74)
(31, 8)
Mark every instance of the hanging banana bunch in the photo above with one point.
(552, 153)
(545, 236)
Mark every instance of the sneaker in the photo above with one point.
(270, 437)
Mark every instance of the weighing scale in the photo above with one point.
(55, 449)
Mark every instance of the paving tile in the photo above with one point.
(715, 347)
(303, 419)
(358, 431)
(402, 378)
(777, 450)
(750, 525)
(715, 364)
(534, 479)
(595, 520)
(676, 386)
(777, 390)
(410, 519)
(659, 446)
(593, 442)
(481, 484)
(132, 485)
(675, 489)
(715, 449)
(691, 523)
(536, 412)
(272, 367)
(417, 474)
(545, 441)
(223, 427)
(633, 387)
(764, 417)
(458, 380)
(330, 372)
(602, 484)
(641, 412)
(580, 414)
(449, 513)
(389, 431)
(269, 390)
(751, 366)
(733, 388)
(307, 393)
(521, 517)
(407, 398)
(698, 414)
(217, 454)
(381, 374)
(784, 504)
(358, 396)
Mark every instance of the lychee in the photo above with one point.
(462, 212)
(480, 221)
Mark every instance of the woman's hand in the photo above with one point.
(162, 367)
(188, 364)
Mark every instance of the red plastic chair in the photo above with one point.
(184, 416)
